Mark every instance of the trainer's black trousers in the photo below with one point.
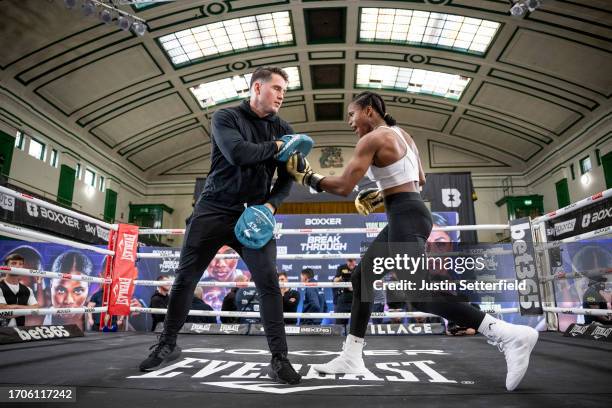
(207, 231)
(409, 223)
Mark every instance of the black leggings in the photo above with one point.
(207, 231)
(409, 222)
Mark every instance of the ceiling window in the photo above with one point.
(415, 27)
(37, 149)
(237, 87)
(411, 80)
(238, 34)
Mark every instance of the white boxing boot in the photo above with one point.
(516, 342)
(350, 361)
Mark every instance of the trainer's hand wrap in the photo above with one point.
(368, 200)
(300, 170)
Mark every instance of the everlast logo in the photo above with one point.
(323, 221)
(42, 332)
(578, 330)
(200, 328)
(600, 332)
(229, 328)
(524, 266)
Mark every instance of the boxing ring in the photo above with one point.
(229, 369)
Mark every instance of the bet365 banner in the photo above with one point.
(452, 192)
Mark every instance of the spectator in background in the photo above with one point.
(593, 299)
(229, 301)
(160, 300)
(291, 298)
(15, 295)
(313, 300)
(93, 319)
(198, 304)
(247, 300)
(343, 297)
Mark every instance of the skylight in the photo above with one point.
(415, 27)
(237, 87)
(411, 80)
(238, 34)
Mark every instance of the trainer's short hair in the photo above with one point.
(282, 274)
(265, 73)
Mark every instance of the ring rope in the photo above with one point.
(573, 206)
(28, 233)
(214, 313)
(56, 208)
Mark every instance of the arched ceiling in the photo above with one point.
(543, 80)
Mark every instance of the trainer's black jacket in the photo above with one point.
(242, 163)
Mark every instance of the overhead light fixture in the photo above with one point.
(107, 12)
(88, 8)
(140, 28)
(124, 23)
(519, 7)
(105, 16)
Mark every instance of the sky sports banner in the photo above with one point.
(590, 218)
(27, 214)
(452, 192)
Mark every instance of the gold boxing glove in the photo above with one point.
(300, 170)
(368, 200)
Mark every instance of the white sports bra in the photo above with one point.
(401, 172)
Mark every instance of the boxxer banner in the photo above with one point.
(452, 192)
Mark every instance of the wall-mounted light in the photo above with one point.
(585, 179)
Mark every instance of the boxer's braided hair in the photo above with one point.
(374, 100)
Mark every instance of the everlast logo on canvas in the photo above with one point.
(578, 330)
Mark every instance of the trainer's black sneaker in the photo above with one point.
(163, 353)
(282, 371)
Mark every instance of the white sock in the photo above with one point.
(354, 339)
(490, 325)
